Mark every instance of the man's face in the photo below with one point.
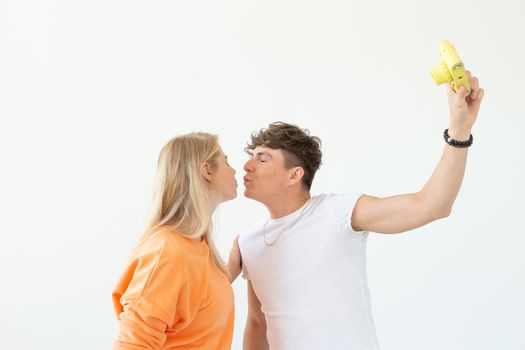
(266, 174)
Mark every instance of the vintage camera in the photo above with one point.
(451, 69)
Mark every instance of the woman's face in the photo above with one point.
(223, 178)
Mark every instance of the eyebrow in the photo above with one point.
(263, 153)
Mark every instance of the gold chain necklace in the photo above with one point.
(287, 229)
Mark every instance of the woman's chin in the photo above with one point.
(229, 197)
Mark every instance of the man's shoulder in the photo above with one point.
(336, 199)
(252, 230)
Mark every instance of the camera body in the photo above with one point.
(450, 69)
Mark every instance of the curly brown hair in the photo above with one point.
(298, 146)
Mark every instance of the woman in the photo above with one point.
(175, 291)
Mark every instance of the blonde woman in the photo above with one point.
(175, 290)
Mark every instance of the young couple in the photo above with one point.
(305, 265)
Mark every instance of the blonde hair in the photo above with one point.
(182, 198)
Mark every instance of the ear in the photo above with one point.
(206, 171)
(296, 175)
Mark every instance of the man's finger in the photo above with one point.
(462, 92)
(474, 87)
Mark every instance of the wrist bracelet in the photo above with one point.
(455, 143)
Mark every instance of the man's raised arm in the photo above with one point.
(405, 212)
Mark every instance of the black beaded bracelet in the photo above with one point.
(455, 143)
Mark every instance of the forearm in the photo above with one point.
(234, 265)
(255, 335)
(233, 272)
(255, 338)
(441, 190)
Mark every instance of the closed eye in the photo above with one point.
(262, 157)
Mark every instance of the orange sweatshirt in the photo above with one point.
(173, 296)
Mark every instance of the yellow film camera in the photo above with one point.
(451, 69)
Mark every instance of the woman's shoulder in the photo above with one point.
(165, 244)
(156, 242)
(157, 269)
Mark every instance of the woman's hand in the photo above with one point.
(235, 260)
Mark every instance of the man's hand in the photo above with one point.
(235, 261)
(464, 109)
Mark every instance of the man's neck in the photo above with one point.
(287, 204)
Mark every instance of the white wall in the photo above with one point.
(90, 91)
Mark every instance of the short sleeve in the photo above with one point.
(341, 207)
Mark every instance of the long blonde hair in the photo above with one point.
(182, 198)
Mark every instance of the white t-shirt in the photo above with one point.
(312, 282)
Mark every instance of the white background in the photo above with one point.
(90, 91)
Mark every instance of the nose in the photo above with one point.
(248, 166)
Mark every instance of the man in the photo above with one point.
(306, 265)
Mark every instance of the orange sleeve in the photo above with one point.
(151, 301)
(141, 326)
